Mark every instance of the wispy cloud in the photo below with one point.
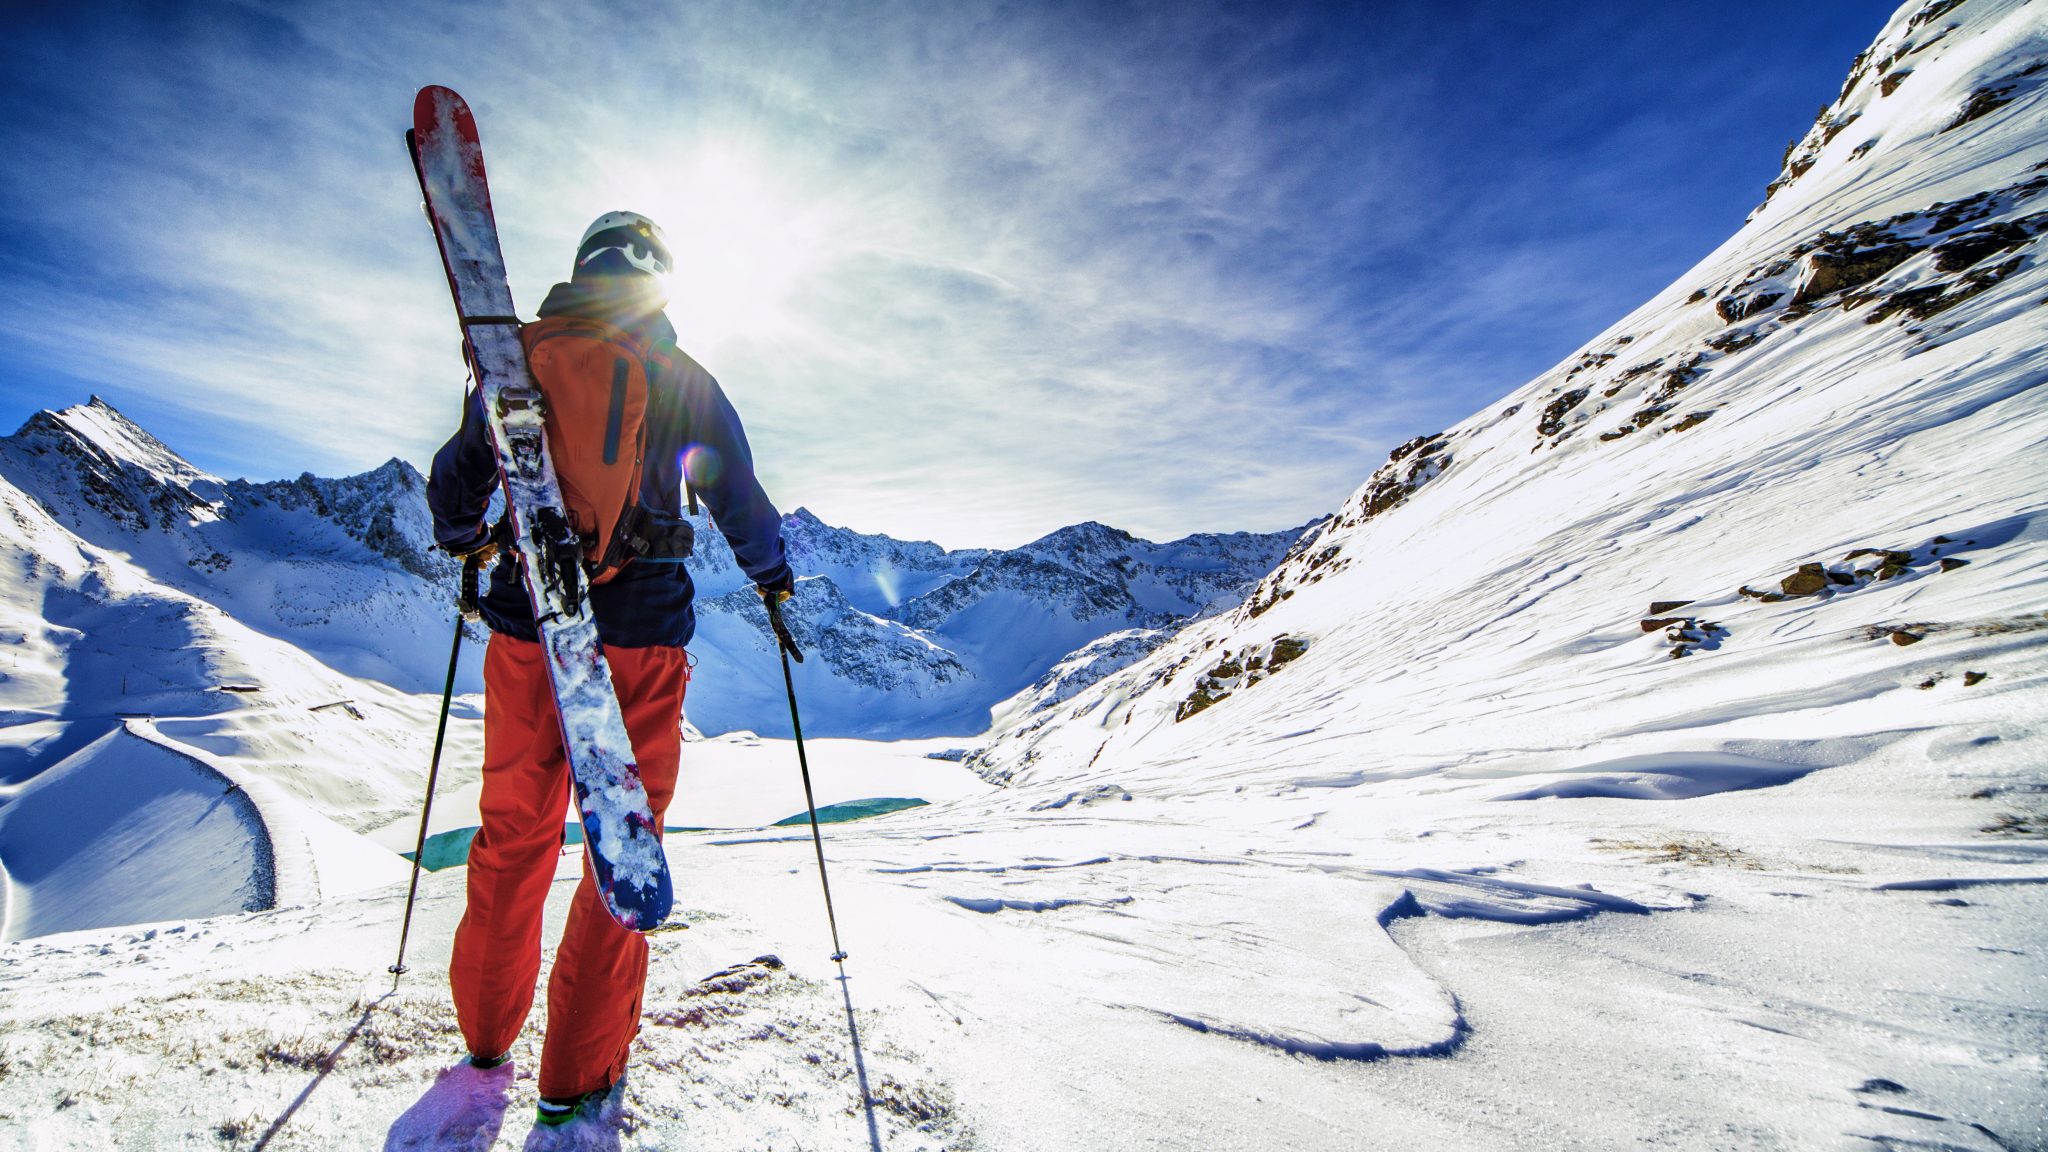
(970, 271)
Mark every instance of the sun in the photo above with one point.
(743, 241)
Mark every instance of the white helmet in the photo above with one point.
(633, 236)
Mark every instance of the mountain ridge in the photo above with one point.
(346, 567)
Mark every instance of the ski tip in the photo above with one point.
(439, 104)
(435, 91)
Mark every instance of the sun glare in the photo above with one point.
(740, 237)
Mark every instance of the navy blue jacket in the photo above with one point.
(688, 418)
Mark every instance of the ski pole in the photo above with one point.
(470, 569)
(786, 645)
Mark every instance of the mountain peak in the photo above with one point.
(104, 431)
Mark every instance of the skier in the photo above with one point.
(689, 435)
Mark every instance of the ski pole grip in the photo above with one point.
(467, 600)
(783, 639)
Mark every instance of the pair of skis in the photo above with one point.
(622, 843)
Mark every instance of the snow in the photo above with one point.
(122, 832)
(1665, 776)
(1487, 864)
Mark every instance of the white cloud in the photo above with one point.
(969, 273)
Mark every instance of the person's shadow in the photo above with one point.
(464, 1108)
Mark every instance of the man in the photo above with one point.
(644, 620)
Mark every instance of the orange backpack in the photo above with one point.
(594, 378)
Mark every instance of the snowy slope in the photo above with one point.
(1877, 388)
(340, 568)
(135, 828)
(1431, 843)
(1522, 660)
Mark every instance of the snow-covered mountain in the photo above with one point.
(1652, 759)
(298, 630)
(145, 583)
(911, 639)
(1821, 445)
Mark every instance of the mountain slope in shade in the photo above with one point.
(135, 828)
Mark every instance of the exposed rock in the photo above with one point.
(1642, 369)
(1983, 102)
(1904, 638)
(1926, 300)
(1692, 421)
(1951, 563)
(1407, 469)
(1552, 420)
(1239, 670)
(1654, 623)
(1689, 635)
(1965, 249)
(1423, 444)
(1825, 272)
(1285, 650)
(1932, 11)
(1589, 362)
(1659, 607)
(1972, 679)
(1810, 579)
(1733, 308)
(1735, 341)
(1265, 597)
(1890, 83)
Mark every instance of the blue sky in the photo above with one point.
(969, 271)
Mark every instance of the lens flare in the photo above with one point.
(701, 465)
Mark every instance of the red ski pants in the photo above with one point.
(600, 968)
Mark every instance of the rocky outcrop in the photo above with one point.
(1862, 567)
(1239, 670)
(1828, 270)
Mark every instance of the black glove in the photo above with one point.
(775, 593)
(478, 551)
